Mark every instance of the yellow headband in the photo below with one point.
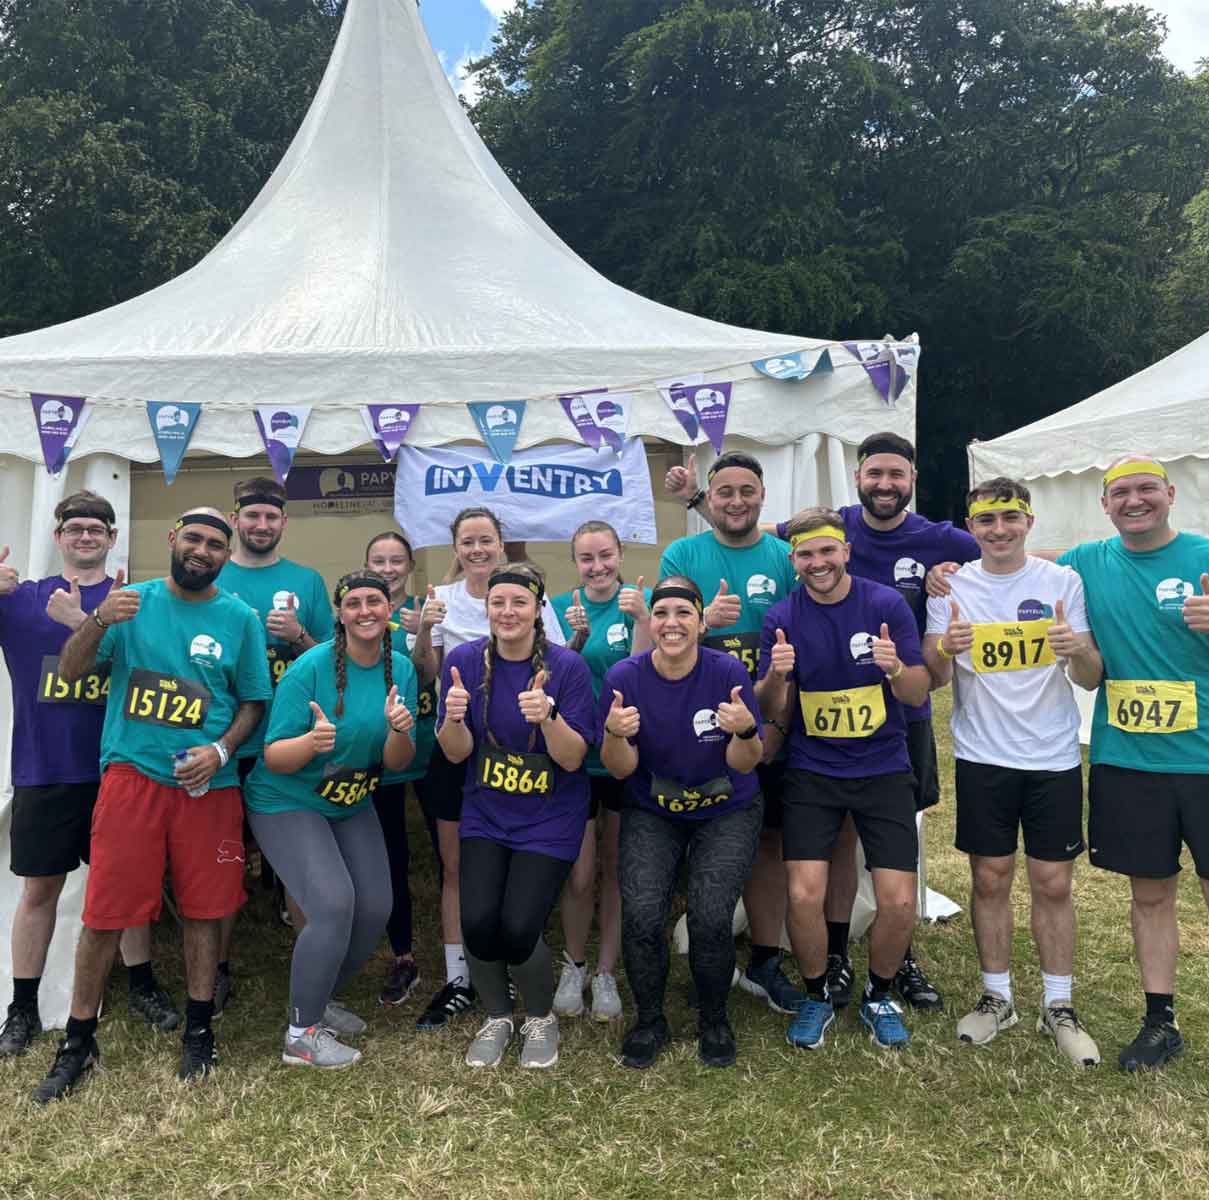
(822, 531)
(1146, 467)
(1013, 505)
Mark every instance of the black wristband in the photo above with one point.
(696, 499)
(751, 733)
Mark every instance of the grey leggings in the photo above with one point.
(338, 873)
(720, 853)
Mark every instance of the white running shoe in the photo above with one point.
(1058, 1020)
(569, 995)
(606, 1001)
(992, 1013)
(540, 1048)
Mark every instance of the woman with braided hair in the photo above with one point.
(310, 806)
(520, 712)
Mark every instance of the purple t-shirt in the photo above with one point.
(56, 728)
(550, 824)
(678, 736)
(901, 558)
(833, 646)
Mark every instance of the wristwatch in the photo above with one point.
(748, 734)
(96, 619)
(700, 495)
(552, 711)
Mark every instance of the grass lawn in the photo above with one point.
(938, 1120)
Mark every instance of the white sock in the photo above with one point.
(998, 981)
(1057, 987)
(456, 970)
(296, 1031)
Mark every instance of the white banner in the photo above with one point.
(542, 495)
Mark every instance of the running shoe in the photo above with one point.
(1157, 1043)
(224, 992)
(21, 1027)
(1058, 1020)
(884, 1020)
(912, 987)
(716, 1044)
(770, 983)
(341, 1021)
(402, 975)
(809, 1027)
(155, 1007)
(540, 1047)
(569, 995)
(318, 1047)
(73, 1059)
(992, 1013)
(606, 1000)
(643, 1043)
(491, 1042)
(198, 1058)
(840, 978)
(452, 1000)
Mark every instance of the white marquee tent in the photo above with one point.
(389, 258)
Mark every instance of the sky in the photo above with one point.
(462, 29)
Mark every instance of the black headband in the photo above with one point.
(361, 581)
(83, 516)
(259, 498)
(885, 446)
(205, 519)
(673, 591)
(525, 581)
(744, 464)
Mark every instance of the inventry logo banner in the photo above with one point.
(542, 495)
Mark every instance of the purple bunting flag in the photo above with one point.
(672, 391)
(611, 415)
(281, 427)
(388, 426)
(875, 358)
(711, 403)
(580, 415)
(60, 420)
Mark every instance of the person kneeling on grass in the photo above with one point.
(310, 806)
(523, 709)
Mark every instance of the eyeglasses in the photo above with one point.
(79, 531)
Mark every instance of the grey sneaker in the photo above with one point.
(569, 995)
(318, 1048)
(339, 1020)
(490, 1042)
(540, 1048)
(606, 1002)
(1058, 1020)
(992, 1013)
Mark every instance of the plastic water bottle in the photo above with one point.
(180, 758)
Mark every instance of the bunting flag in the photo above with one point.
(611, 413)
(875, 357)
(711, 403)
(388, 426)
(576, 408)
(672, 391)
(499, 425)
(904, 360)
(802, 364)
(172, 426)
(281, 427)
(60, 420)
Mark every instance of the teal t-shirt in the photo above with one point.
(760, 575)
(424, 733)
(1135, 603)
(610, 639)
(267, 588)
(360, 733)
(180, 669)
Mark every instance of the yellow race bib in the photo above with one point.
(1019, 646)
(1150, 705)
(853, 713)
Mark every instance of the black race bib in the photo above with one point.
(93, 688)
(743, 646)
(676, 797)
(279, 657)
(347, 786)
(426, 702)
(168, 700)
(516, 774)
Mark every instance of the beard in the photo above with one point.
(259, 549)
(870, 504)
(188, 578)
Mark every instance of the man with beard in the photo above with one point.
(746, 572)
(188, 682)
(292, 602)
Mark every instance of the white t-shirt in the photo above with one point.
(466, 618)
(1026, 719)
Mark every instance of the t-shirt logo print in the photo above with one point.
(909, 571)
(761, 589)
(205, 649)
(705, 723)
(281, 600)
(1033, 610)
(861, 645)
(618, 634)
(1171, 593)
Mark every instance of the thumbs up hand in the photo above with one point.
(632, 601)
(783, 657)
(283, 623)
(577, 615)
(398, 716)
(122, 604)
(733, 715)
(9, 576)
(1063, 640)
(64, 606)
(1196, 608)
(680, 483)
(725, 609)
(457, 698)
(621, 722)
(959, 637)
(433, 612)
(323, 732)
(534, 703)
(885, 653)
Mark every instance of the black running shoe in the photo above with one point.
(155, 1007)
(1158, 1042)
(402, 975)
(22, 1026)
(642, 1044)
(451, 1001)
(716, 1044)
(74, 1058)
(913, 987)
(839, 981)
(198, 1058)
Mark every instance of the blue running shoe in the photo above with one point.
(883, 1019)
(770, 983)
(810, 1026)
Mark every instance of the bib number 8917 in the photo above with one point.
(1004, 654)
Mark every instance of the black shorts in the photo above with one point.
(772, 785)
(607, 793)
(1138, 820)
(993, 802)
(921, 746)
(882, 808)
(441, 797)
(51, 828)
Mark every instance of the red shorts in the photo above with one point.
(138, 826)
